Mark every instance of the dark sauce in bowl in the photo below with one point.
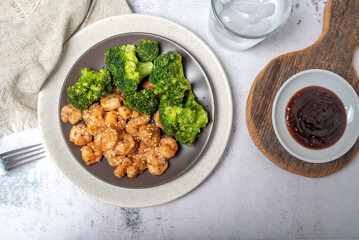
(315, 117)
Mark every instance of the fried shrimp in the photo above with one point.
(94, 118)
(114, 121)
(149, 134)
(107, 139)
(121, 169)
(121, 123)
(111, 101)
(125, 144)
(135, 150)
(124, 112)
(70, 114)
(139, 157)
(79, 135)
(154, 158)
(141, 119)
(91, 154)
(94, 112)
(95, 127)
(137, 167)
(168, 147)
(111, 119)
(113, 157)
(158, 170)
(156, 118)
(132, 126)
(142, 148)
(132, 171)
(135, 114)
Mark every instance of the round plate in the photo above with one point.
(57, 147)
(186, 156)
(333, 82)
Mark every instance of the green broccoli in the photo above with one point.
(147, 50)
(92, 85)
(175, 94)
(190, 124)
(126, 70)
(144, 101)
(180, 114)
(168, 77)
(184, 120)
(168, 73)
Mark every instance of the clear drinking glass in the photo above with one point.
(241, 24)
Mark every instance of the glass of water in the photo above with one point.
(241, 24)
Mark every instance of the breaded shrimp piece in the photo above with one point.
(70, 114)
(79, 135)
(168, 147)
(91, 154)
(107, 139)
(125, 143)
(111, 101)
(121, 169)
(149, 134)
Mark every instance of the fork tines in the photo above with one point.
(21, 156)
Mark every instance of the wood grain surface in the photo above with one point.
(333, 51)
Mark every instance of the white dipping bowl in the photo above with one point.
(336, 84)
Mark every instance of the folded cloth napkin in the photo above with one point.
(32, 34)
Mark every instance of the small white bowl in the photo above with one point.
(333, 82)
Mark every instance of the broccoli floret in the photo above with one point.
(184, 120)
(168, 78)
(147, 50)
(168, 116)
(144, 101)
(167, 73)
(126, 70)
(92, 85)
(180, 114)
(176, 94)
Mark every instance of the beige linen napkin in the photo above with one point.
(32, 33)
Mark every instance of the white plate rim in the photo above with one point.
(286, 146)
(124, 197)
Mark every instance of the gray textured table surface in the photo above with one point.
(245, 197)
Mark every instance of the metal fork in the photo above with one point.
(18, 157)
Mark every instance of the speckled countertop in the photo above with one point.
(245, 197)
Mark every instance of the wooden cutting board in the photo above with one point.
(333, 51)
